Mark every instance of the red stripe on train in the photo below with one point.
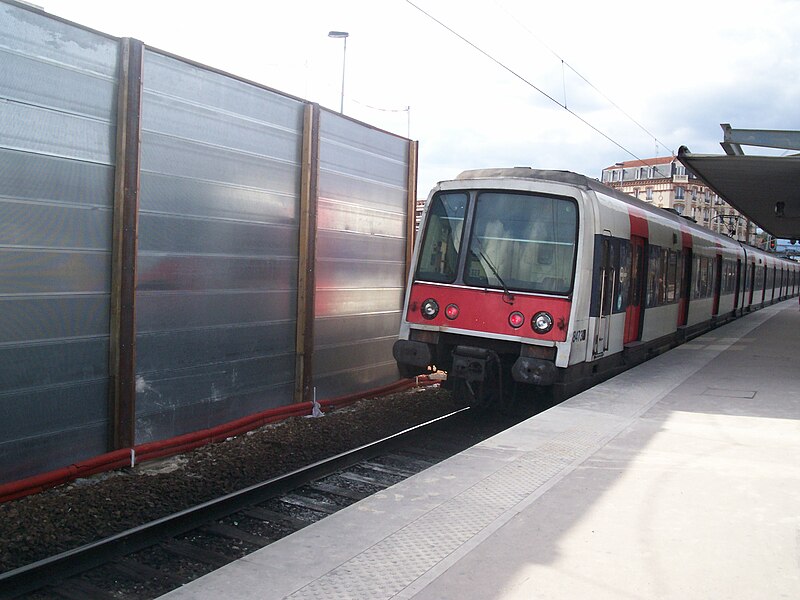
(639, 225)
(485, 311)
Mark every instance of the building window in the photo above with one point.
(635, 192)
(643, 173)
(679, 193)
(680, 170)
(679, 208)
(614, 175)
(649, 194)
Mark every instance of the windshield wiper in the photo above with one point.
(508, 297)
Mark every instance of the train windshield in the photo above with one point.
(440, 247)
(522, 242)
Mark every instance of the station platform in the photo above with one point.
(677, 479)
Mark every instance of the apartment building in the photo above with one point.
(664, 182)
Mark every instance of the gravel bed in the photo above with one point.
(71, 515)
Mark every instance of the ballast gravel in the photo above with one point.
(85, 510)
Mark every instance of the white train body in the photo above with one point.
(549, 278)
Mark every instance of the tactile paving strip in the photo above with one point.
(395, 562)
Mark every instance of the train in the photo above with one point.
(540, 283)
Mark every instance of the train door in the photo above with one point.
(772, 284)
(752, 283)
(738, 285)
(686, 287)
(717, 284)
(606, 281)
(634, 313)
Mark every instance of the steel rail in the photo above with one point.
(41, 573)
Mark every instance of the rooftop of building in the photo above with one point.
(647, 162)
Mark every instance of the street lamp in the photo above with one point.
(341, 35)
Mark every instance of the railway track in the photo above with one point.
(150, 560)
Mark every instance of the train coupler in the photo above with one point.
(479, 372)
(470, 363)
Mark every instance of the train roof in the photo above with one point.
(527, 173)
(588, 183)
(566, 177)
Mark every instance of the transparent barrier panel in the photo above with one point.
(218, 241)
(360, 262)
(57, 127)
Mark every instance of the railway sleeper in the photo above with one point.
(264, 514)
(380, 483)
(315, 505)
(232, 532)
(327, 488)
(389, 470)
(193, 552)
(133, 569)
(77, 589)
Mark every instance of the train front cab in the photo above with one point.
(492, 293)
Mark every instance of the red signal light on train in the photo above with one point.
(451, 311)
(516, 319)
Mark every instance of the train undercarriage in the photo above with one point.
(481, 372)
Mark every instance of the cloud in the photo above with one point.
(679, 70)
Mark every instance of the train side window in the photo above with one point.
(723, 288)
(710, 272)
(770, 280)
(672, 277)
(610, 280)
(703, 276)
(609, 275)
(636, 263)
(655, 278)
(623, 274)
(731, 277)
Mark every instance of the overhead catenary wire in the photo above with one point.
(406, 110)
(529, 83)
(564, 63)
(364, 104)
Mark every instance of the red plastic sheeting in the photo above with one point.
(183, 443)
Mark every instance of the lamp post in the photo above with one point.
(343, 36)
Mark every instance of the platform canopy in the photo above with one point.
(766, 189)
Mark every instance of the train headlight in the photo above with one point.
(429, 309)
(451, 311)
(542, 322)
(516, 319)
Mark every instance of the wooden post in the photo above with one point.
(122, 351)
(304, 372)
(413, 154)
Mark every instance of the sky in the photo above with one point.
(487, 84)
